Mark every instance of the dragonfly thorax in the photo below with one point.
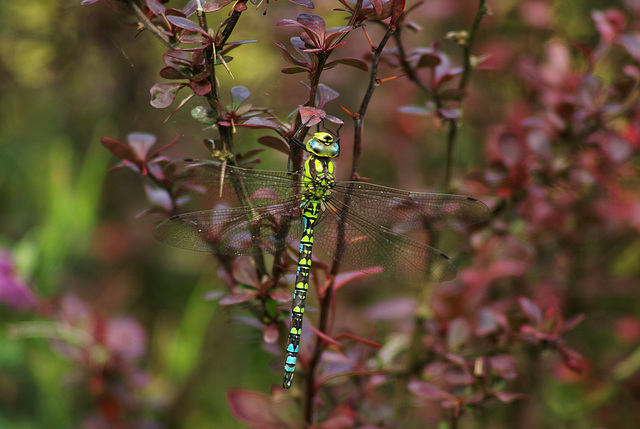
(318, 179)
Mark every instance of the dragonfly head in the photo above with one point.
(324, 145)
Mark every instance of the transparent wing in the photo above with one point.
(403, 210)
(369, 245)
(234, 231)
(215, 181)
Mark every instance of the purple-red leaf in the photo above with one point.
(141, 143)
(368, 343)
(313, 23)
(288, 57)
(156, 7)
(346, 278)
(508, 397)
(270, 335)
(171, 73)
(311, 116)
(325, 338)
(429, 391)
(236, 299)
(274, 143)
(324, 95)
(119, 149)
(280, 295)
(163, 94)
(258, 122)
(458, 333)
(397, 8)
(352, 62)
(332, 34)
(530, 310)
(187, 24)
(306, 3)
(631, 42)
(239, 94)
(215, 5)
(158, 197)
(244, 271)
(253, 408)
(294, 70)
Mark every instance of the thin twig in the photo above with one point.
(359, 117)
(326, 300)
(147, 24)
(464, 80)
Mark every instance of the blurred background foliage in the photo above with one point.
(70, 75)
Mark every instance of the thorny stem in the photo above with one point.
(452, 132)
(209, 61)
(230, 25)
(146, 23)
(359, 117)
(226, 132)
(326, 300)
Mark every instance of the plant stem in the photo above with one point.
(326, 300)
(452, 131)
(359, 117)
(146, 23)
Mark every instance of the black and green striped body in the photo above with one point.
(317, 183)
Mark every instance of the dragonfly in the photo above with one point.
(359, 224)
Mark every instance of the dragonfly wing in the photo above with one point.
(219, 182)
(236, 231)
(368, 245)
(404, 210)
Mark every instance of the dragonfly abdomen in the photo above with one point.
(309, 217)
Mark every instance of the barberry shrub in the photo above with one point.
(529, 106)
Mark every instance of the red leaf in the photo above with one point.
(313, 23)
(274, 143)
(327, 339)
(244, 271)
(119, 149)
(293, 70)
(458, 334)
(288, 57)
(311, 116)
(351, 62)
(270, 335)
(187, 24)
(631, 43)
(396, 11)
(345, 278)
(163, 94)
(305, 3)
(215, 5)
(361, 340)
(141, 143)
(156, 7)
(530, 310)
(236, 299)
(159, 197)
(253, 408)
(429, 391)
(258, 122)
(487, 322)
(280, 295)
(504, 366)
(171, 73)
(508, 397)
